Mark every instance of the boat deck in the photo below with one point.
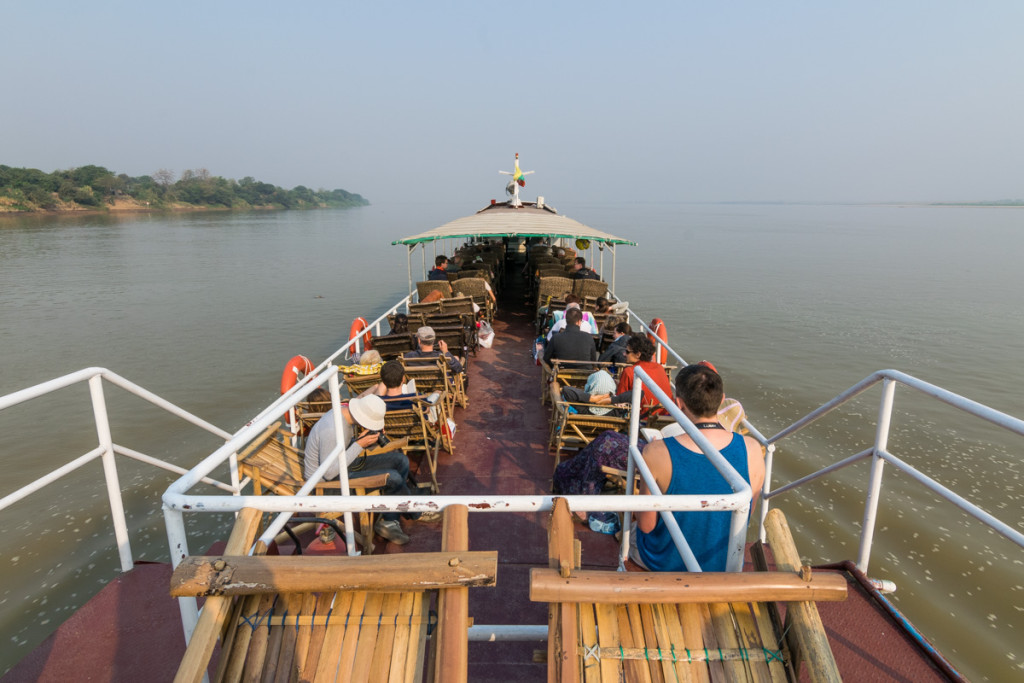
(500, 445)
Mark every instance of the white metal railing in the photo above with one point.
(879, 455)
(107, 449)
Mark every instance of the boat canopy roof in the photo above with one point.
(502, 220)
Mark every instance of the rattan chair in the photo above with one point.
(589, 288)
(425, 288)
(475, 288)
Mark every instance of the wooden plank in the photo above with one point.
(235, 642)
(663, 644)
(414, 662)
(716, 669)
(725, 629)
(331, 665)
(805, 627)
(608, 637)
(366, 640)
(380, 667)
(403, 638)
(302, 635)
(289, 637)
(631, 635)
(651, 640)
(693, 640)
(308, 667)
(587, 642)
(275, 634)
(677, 643)
(547, 585)
(199, 576)
(453, 646)
(761, 625)
(256, 654)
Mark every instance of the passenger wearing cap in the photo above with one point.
(426, 338)
(361, 426)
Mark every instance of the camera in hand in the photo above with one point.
(382, 440)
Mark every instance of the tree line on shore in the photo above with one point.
(97, 188)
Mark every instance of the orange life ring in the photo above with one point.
(360, 326)
(290, 377)
(658, 328)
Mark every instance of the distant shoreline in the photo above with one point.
(125, 207)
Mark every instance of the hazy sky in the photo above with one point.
(652, 101)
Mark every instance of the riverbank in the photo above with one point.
(10, 207)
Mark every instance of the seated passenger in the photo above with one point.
(425, 338)
(616, 350)
(571, 343)
(392, 387)
(401, 324)
(587, 324)
(581, 272)
(599, 383)
(639, 352)
(440, 270)
(369, 364)
(361, 426)
(680, 468)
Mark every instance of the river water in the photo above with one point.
(793, 304)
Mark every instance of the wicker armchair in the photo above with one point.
(592, 288)
(475, 288)
(425, 288)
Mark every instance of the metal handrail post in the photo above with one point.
(769, 460)
(634, 431)
(877, 470)
(335, 387)
(177, 540)
(99, 410)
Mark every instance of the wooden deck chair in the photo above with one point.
(391, 346)
(275, 466)
(474, 288)
(571, 373)
(430, 375)
(676, 626)
(574, 430)
(592, 288)
(333, 618)
(413, 425)
(357, 384)
(454, 384)
(428, 286)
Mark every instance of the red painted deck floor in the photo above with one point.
(131, 631)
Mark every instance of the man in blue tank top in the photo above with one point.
(680, 468)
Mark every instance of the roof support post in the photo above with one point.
(408, 265)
